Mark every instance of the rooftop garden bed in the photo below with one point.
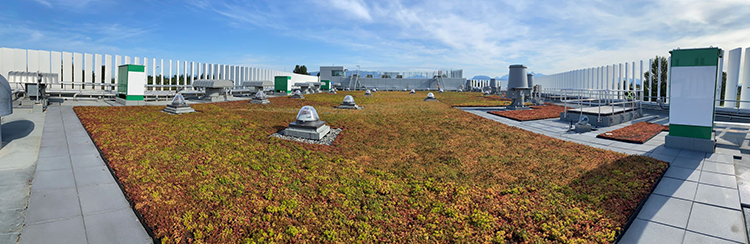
(547, 111)
(401, 170)
(636, 133)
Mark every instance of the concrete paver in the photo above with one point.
(676, 188)
(53, 205)
(696, 238)
(666, 210)
(718, 196)
(719, 222)
(642, 231)
(64, 231)
(716, 179)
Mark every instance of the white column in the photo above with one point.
(145, 70)
(745, 81)
(666, 79)
(650, 77)
(97, 71)
(108, 72)
(607, 79)
(153, 73)
(192, 72)
(161, 73)
(642, 83)
(626, 85)
(658, 78)
(632, 81)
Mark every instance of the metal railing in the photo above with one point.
(601, 98)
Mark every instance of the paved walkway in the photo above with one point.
(74, 198)
(697, 200)
(21, 136)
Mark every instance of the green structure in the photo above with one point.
(282, 84)
(131, 84)
(326, 85)
(693, 80)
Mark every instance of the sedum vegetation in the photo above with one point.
(402, 170)
(547, 111)
(636, 133)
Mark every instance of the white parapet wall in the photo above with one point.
(86, 72)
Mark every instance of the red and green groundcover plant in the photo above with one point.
(547, 111)
(402, 170)
(636, 133)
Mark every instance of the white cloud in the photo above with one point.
(68, 4)
(353, 8)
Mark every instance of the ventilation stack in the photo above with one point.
(518, 86)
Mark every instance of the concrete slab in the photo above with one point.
(666, 210)
(666, 151)
(663, 157)
(688, 163)
(56, 179)
(53, 205)
(720, 158)
(716, 179)
(114, 227)
(719, 222)
(53, 151)
(86, 160)
(13, 197)
(100, 198)
(93, 176)
(718, 196)
(9, 238)
(683, 173)
(62, 231)
(727, 169)
(696, 238)
(11, 221)
(642, 232)
(53, 163)
(54, 141)
(676, 188)
(691, 154)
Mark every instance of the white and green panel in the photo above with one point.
(131, 82)
(693, 85)
(283, 84)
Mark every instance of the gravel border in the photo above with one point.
(327, 140)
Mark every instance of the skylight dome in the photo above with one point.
(307, 114)
(348, 99)
(178, 100)
(260, 95)
(297, 92)
(430, 95)
(412, 91)
(368, 93)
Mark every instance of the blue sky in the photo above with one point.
(481, 37)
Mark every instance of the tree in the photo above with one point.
(651, 89)
(723, 87)
(300, 70)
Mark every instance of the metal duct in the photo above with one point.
(517, 77)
